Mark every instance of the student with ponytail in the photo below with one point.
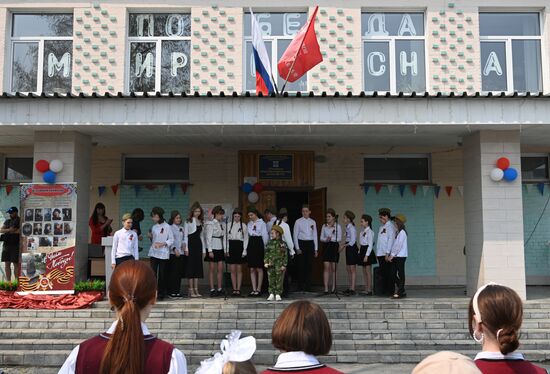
(127, 347)
(495, 315)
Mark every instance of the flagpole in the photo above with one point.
(299, 49)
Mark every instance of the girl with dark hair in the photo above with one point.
(398, 256)
(195, 248)
(215, 238)
(351, 251)
(176, 266)
(128, 347)
(162, 240)
(255, 251)
(331, 235)
(99, 223)
(137, 216)
(237, 241)
(495, 315)
(367, 257)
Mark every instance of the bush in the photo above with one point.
(8, 286)
(90, 285)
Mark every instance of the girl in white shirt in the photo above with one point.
(351, 251)
(398, 256)
(237, 241)
(367, 256)
(177, 263)
(255, 251)
(331, 236)
(162, 240)
(125, 243)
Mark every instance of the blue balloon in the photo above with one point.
(247, 188)
(510, 174)
(49, 177)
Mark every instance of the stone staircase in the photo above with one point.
(366, 330)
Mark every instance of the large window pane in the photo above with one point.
(300, 84)
(156, 168)
(42, 25)
(18, 168)
(155, 24)
(534, 168)
(175, 73)
(509, 24)
(527, 65)
(392, 24)
(277, 24)
(251, 67)
(57, 65)
(24, 67)
(397, 169)
(493, 66)
(409, 61)
(142, 67)
(377, 66)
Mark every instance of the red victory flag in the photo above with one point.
(302, 54)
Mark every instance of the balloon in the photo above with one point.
(247, 188)
(510, 174)
(497, 174)
(253, 197)
(56, 166)
(42, 166)
(258, 188)
(49, 177)
(503, 163)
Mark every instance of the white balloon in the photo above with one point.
(253, 197)
(56, 166)
(497, 174)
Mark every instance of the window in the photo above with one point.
(156, 169)
(397, 169)
(393, 52)
(510, 52)
(159, 47)
(278, 31)
(41, 52)
(535, 168)
(18, 168)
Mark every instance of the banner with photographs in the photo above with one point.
(48, 219)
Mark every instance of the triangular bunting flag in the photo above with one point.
(540, 186)
(449, 190)
(377, 187)
(390, 188)
(413, 189)
(401, 189)
(9, 188)
(172, 189)
(460, 190)
(151, 187)
(114, 188)
(425, 189)
(137, 188)
(184, 188)
(366, 187)
(436, 191)
(101, 190)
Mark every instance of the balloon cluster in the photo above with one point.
(504, 171)
(253, 191)
(49, 169)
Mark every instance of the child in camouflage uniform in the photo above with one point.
(275, 262)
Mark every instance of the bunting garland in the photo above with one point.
(172, 189)
(9, 188)
(413, 189)
(101, 190)
(366, 187)
(436, 191)
(114, 188)
(401, 189)
(378, 187)
(449, 190)
(425, 190)
(137, 188)
(390, 188)
(540, 186)
(460, 190)
(184, 187)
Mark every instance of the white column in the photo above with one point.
(493, 213)
(74, 150)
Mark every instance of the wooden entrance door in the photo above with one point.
(318, 207)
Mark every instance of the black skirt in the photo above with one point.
(352, 257)
(218, 256)
(194, 260)
(330, 252)
(362, 253)
(255, 252)
(236, 248)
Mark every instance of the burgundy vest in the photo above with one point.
(158, 355)
(508, 367)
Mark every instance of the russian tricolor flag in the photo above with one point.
(261, 59)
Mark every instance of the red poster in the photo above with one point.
(57, 278)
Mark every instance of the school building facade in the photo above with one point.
(153, 103)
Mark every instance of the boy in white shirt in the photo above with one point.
(125, 243)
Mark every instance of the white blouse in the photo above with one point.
(178, 363)
(297, 360)
(386, 236)
(179, 238)
(287, 236)
(258, 228)
(125, 243)
(351, 235)
(162, 233)
(190, 228)
(400, 248)
(331, 233)
(215, 235)
(305, 229)
(237, 231)
(366, 237)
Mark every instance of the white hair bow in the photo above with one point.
(232, 349)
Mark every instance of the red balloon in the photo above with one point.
(42, 166)
(258, 187)
(503, 163)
